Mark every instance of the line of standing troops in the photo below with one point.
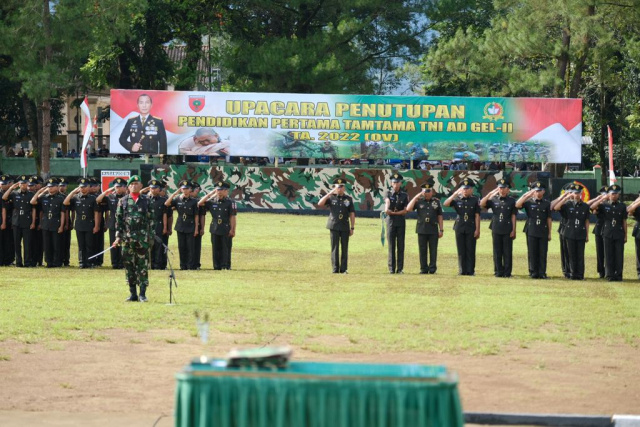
(37, 218)
(610, 229)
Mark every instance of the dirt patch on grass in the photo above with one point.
(133, 372)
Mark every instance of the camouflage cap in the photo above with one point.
(154, 183)
(119, 182)
(134, 178)
(615, 188)
(53, 182)
(396, 177)
(503, 183)
(467, 183)
(83, 182)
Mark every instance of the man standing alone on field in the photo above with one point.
(135, 231)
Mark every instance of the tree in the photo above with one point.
(568, 48)
(307, 46)
(49, 41)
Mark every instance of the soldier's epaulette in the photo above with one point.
(157, 118)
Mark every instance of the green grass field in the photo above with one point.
(281, 285)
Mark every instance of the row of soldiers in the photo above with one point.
(610, 229)
(37, 219)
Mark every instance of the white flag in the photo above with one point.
(86, 118)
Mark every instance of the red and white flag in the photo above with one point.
(87, 132)
(612, 175)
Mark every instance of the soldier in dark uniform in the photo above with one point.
(144, 134)
(538, 228)
(85, 216)
(635, 212)
(102, 208)
(223, 224)
(467, 226)
(35, 184)
(614, 232)
(23, 220)
(576, 229)
(395, 206)
(186, 208)
(597, 231)
(109, 200)
(66, 235)
(162, 227)
(7, 252)
(564, 255)
(202, 213)
(52, 218)
(341, 213)
(503, 227)
(429, 227)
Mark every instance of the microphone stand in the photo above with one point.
(172, 275)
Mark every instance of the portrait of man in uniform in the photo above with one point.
(144, 134)
(204, 142)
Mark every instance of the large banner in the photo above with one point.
(346, 126)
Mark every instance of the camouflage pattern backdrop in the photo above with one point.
(300, 188)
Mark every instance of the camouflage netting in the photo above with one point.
(301, 188)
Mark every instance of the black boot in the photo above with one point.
(134, 295)
(143, 297)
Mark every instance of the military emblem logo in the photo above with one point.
(196, 102)
(493, 111)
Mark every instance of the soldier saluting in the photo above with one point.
(113, 196)
(503, 227)
(144, 134)
(395, 206)
(538, 228)
(429, 227)
(187, 224)
(614, 232)
(52, 221)
(223, 224)
(576, 228)
(23, 220)
(467, 226)
(341, 213)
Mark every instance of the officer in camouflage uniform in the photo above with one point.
(429, 227)
(395, 206)
(341, 212)
(135, 231)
